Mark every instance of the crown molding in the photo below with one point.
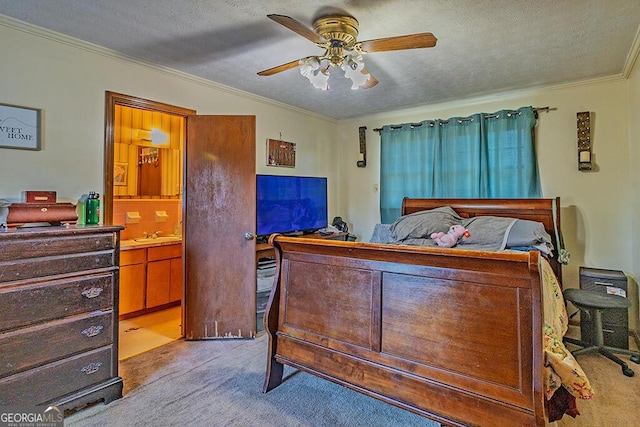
(18, 25)
(484, 99)
(632, 56)
(44, 33)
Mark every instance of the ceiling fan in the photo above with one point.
(337, 35)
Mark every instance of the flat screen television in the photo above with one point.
(288, 204)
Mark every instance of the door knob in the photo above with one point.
(249, 236)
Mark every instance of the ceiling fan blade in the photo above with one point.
(298, 28)
(371, 82)
(411, 41)
(279, 68)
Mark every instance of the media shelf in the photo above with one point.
(266, 268)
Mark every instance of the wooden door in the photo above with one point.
(219, 209)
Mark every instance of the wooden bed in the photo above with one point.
(454, 335)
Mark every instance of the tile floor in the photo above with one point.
(144, 333)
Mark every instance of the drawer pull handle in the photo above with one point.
(604, 283)
(92, 331)
(92, 292)
(91, 368)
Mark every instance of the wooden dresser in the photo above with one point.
(58, 316)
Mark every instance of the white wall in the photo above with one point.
(596, 207)
(67, 79)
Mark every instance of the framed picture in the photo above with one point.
(281, 153)
(19, 127)
(120, 173)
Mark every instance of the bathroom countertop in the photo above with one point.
(149, 242)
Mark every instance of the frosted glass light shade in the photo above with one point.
(311, 68)
(353, 67)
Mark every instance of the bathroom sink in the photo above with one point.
(160, 239)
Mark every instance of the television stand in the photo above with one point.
(265, 250)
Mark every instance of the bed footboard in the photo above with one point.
(449, 334)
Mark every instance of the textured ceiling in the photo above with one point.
(484, 46)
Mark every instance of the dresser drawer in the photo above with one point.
(133, 256)
(615, 322)
(164, 252)
(30, 347)
(57, 379)
(47, 300)
(54, 265)
(603, 281)
(27, 248)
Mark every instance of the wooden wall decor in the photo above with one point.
(584, 141)
(281, 153)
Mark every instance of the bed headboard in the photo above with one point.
(541, 210)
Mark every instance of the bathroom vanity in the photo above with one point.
(151, 275)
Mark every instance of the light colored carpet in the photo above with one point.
(219, 383)
(617, 397)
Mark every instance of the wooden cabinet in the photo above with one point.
(176, 289)
(159, 275)
(59, 320)
(151, 279)
(133, 280)
(158, 282)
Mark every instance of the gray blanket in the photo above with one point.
(487, 233)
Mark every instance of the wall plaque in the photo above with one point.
(19, 127)
(281, 153)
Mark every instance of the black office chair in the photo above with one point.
(591, 304)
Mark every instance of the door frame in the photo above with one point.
(111, 100)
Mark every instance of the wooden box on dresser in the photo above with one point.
(59, 315)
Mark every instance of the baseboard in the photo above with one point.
(634, 334)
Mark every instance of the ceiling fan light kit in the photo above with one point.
(311, 68)
(337, 35)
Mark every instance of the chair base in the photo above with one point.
(607, 352)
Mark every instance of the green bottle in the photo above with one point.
(93, 208)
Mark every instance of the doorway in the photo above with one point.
(145, 176)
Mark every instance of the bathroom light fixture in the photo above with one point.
(155, 135)
(158, 137)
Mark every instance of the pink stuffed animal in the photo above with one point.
(451, 237)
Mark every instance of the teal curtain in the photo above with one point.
(481, 156)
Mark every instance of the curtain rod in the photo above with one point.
(488, 116)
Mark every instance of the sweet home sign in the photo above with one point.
(19, 127)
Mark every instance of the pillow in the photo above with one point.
(421, 224)
(529, 234)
